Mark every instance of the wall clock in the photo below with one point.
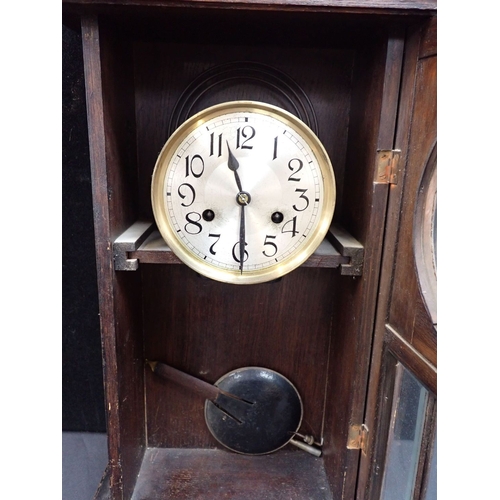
(243, 192)
(228, 192)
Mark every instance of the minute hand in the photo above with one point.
(233, 165)
(242, 237)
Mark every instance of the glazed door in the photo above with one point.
(398, 445)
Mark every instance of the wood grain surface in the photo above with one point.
(216, 474)
(314, 326)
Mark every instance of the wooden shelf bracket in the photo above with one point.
(142, 242)
(348, 246)
(129, 241)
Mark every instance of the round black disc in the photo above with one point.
(271, 411)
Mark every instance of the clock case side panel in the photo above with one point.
(374, 103)
(110, 111)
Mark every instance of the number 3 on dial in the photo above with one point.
(243, 192)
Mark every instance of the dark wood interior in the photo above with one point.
(314, 326)
(199, 474)
(207, 329)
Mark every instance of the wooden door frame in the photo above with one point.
(388, 342)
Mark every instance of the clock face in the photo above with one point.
(243, 192)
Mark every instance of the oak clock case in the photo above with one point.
(315, 325)
(243, 192)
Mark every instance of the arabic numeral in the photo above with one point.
(236, 254)
(295, 165)
(215, 144)
(293, 229)
(193, 225)
(243, 135)
(195, 166)
(275, 149)
(270, 244)
(217, 236)
(304, 197)
(185, 190)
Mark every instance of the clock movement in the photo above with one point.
(255, 171)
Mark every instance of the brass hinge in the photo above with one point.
(387, 166)
(358, 438)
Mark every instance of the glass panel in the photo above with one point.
(425, 237)
(431, 493)
(405, 437)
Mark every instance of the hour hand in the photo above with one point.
(233, 165)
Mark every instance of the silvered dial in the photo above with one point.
(243, 192)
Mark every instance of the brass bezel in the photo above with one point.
(234, 276)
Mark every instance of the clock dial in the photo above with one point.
(243, 192)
